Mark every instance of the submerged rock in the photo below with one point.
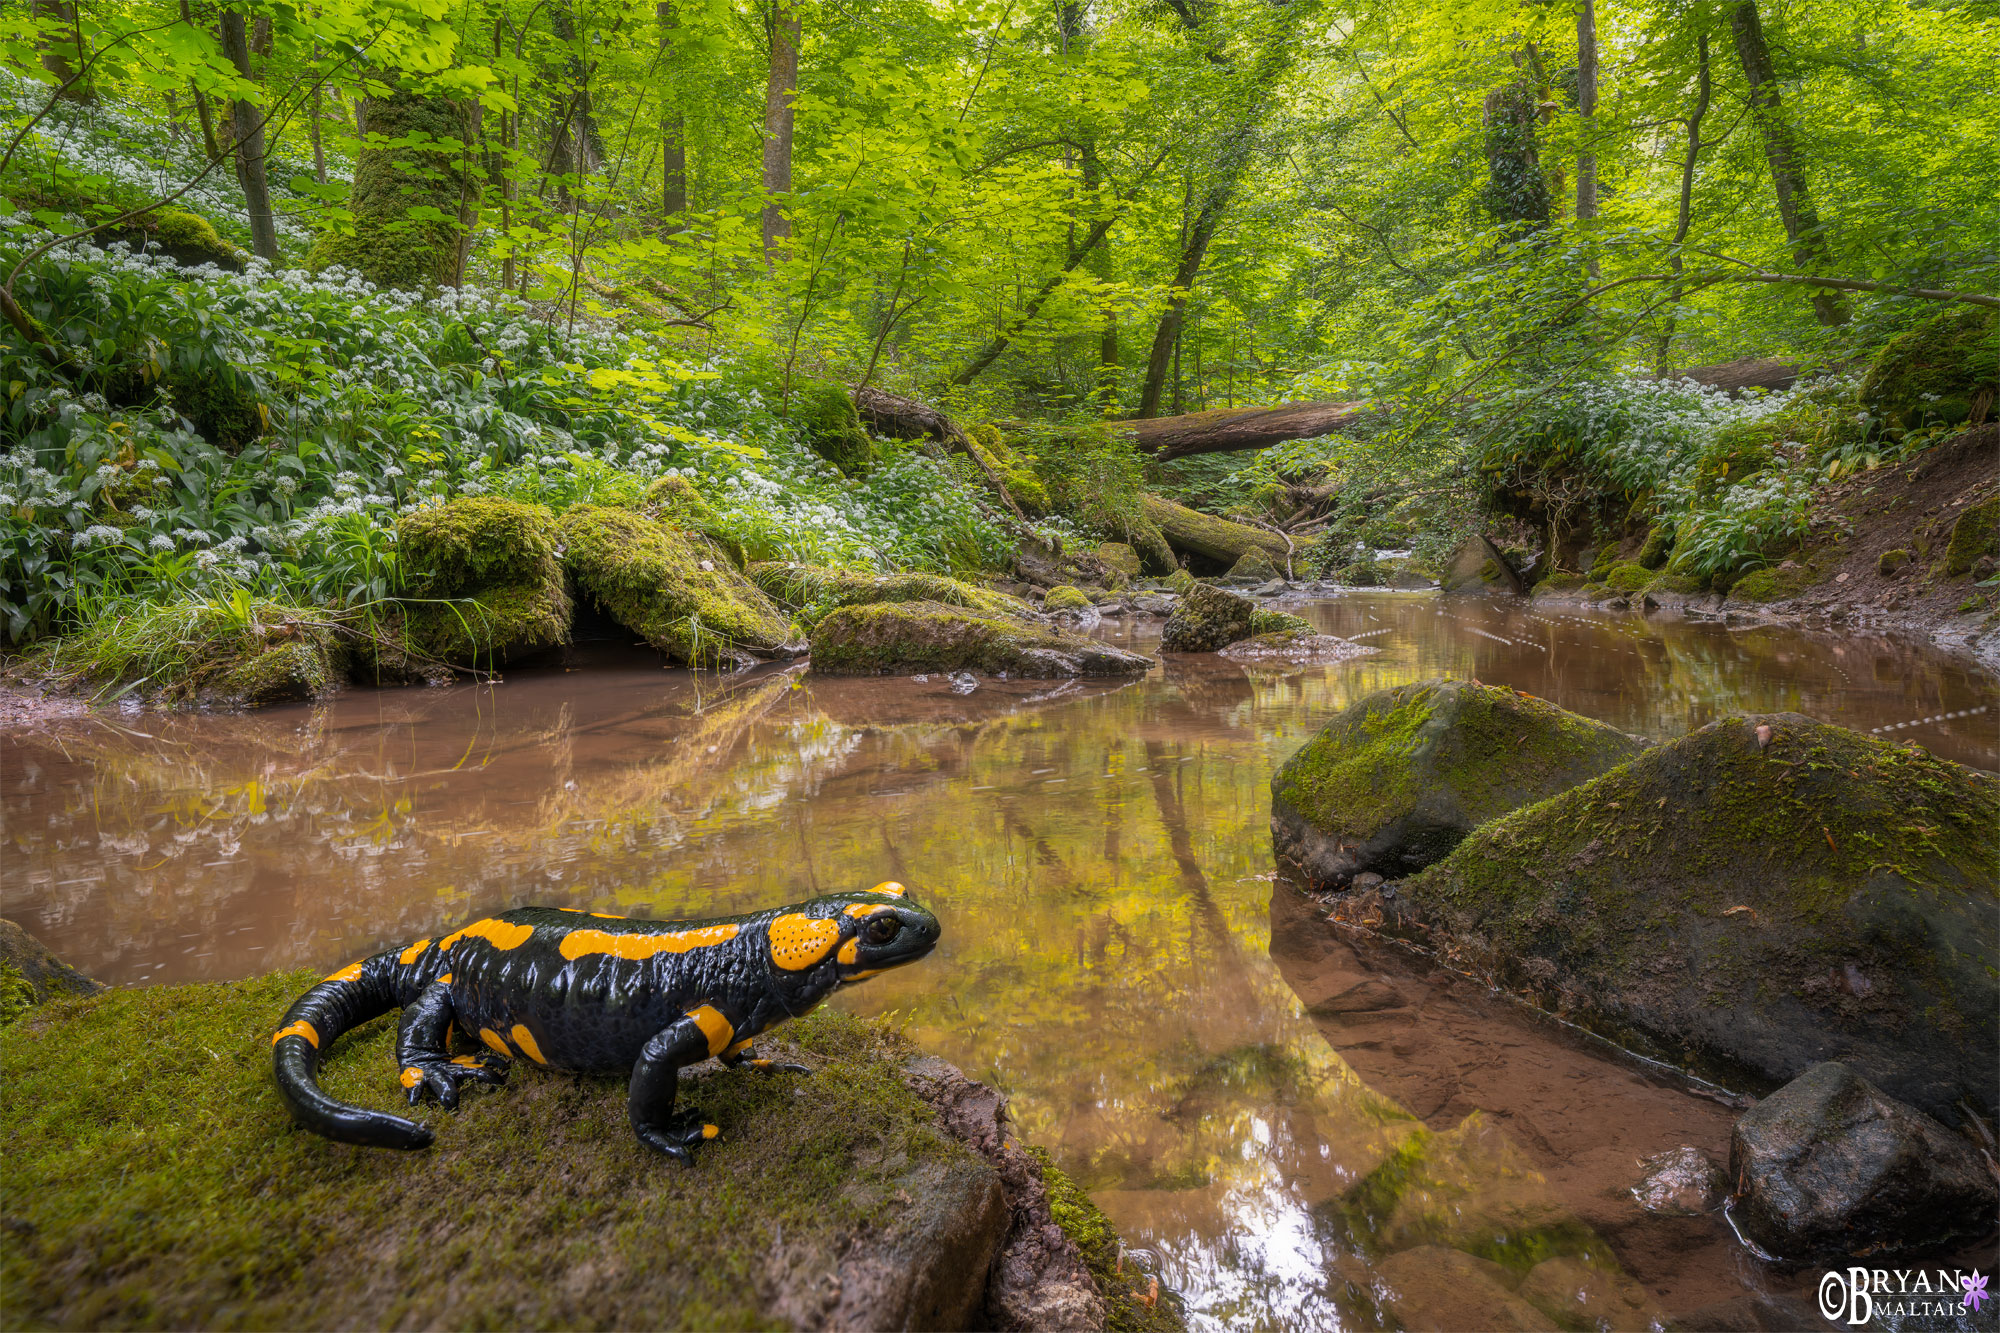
(1752, 899)
(484, 586)
(675, 589)
(1207, 619)
(1435, 1289)
(861, 1197)
(1295, 645)
(1830, 1167)
(1399, 778)
(1680, 1182)
(899, 638)
(1577, 1294)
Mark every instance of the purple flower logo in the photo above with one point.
(1975, 1290)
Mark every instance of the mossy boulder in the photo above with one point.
(1254, 564)
(1121, 557)
(30, 974)
(484, 585)
(1976, 533)
(903, 638)
(414, 183)
(1754, 898)
(237, 653)
(1629, 577)
(186, 238)
(1658, 546)
(1065, 598)
(168, 1188)
(675, 589)
(1263, 620)
(1208, 620)
(1398, 779)
(1773, 583)
(825, 416)
(1942, 372)
(820, 588)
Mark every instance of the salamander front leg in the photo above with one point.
(744, 1053)
(423, 1050)
(655, 1080)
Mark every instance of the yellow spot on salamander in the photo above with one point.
(612, 916)
(348, 973)
(890, 887)
(497, 933)
(867, 909)
(469, 1061)
(740, 1046)
(495, 1040)
(709, 1131)
(298, 1029)
(714, 1026)
(526, 1041)
(850, 953)
(412, 1076)
(411, 954)
(797, 941)
(444, 980)
(581, 943)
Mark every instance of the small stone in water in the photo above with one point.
(1681, 1182)
(963, 682)
(1367, 879)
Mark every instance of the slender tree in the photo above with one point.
(1586, 107)
(779, 92)
(673, 123)
(249, 137)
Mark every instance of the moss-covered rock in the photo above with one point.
(1891, 563)
(816, 589)
(1749, 900)
(1263, 620)
(413, 184)
(170, 1189)
(825, 415)
(186, 238)
(1121, 557)
(902, 638)
(1182, 582)
(1686, 585)
(234, 653)
(1774, 583)
(1559, 582)
(1065, 598)
(1399, 778)
(483, 584)
(1130, 1305)
(674, 589)
(1976, 533)
(30, 974)
(1629, 577)
(1254, 564)
(1207, 620)
(1658, 546)
(1941, 372)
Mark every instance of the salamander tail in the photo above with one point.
(347, 999)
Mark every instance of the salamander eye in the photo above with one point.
(883, 929)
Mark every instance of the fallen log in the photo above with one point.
(901, 418)
(1225, 430)
(1210, 537)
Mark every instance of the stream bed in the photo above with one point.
(1101, 860)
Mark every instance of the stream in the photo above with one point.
(1101, 860)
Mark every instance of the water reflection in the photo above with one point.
(1099, 853)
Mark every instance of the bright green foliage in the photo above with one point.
(236, 651)
(1940, 372)
(170, 1184)
(411, 188)
(1627, 577)
(651, 579)
(17, 993)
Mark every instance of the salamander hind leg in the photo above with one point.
(745, 1053)
(656, 1080)
(423, 1052)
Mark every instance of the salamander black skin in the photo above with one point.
(595, 994)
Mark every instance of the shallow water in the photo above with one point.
(1100, 857)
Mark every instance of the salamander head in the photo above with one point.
(882, 928)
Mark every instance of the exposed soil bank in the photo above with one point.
(154, 1181)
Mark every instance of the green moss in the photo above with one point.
(649, 578)
(1065, 598)
(1485, 749)
(903, 638)
(1658, 546)
(816, 589)
(1121, 557)
(17, 993)
(1627, 577)
(1772, 584)
(479, 629)
(168, 1188)
(474, 542)
(1264, 621)
(824, 413)
(1685, 584)
(1182, 582)
(411, 189)
(1976, 533)
(1890, 562)
(1560, 582)
(1934, 372)
(1207, 620)
(1254, 564)
(236, 652)
(1129, 1302)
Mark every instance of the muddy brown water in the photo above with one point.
(1101, 859)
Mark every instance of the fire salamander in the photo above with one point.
(592, 993)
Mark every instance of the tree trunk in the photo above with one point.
(1586, 107)
(779, 92)
(991, 352)
(1704, 87)
(577, 149)
(673, 125)
(1210, 537)
(1516, 194)
(388, 247)
(1781, 151)
(59, 51)
(249, 123)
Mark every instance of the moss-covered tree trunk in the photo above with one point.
(413, 193)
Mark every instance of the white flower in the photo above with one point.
(162, 543)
